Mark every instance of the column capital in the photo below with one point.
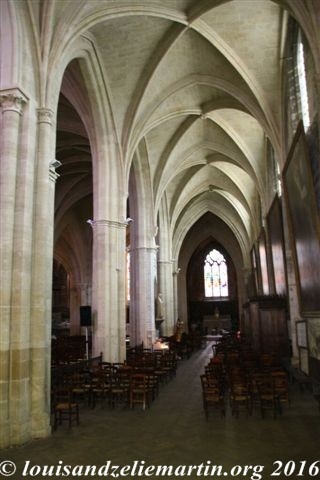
(12, 99)
(45, 115)
(107, 223)
(146, 249)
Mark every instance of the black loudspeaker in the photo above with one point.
(85, 316)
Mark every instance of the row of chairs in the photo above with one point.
(266, 392)
(139, 389)
(129, 384)
(246, 385)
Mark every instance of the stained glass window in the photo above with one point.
(215, 275)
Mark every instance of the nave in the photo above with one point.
(174, 431)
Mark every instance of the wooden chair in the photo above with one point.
(215, 369)
(281, 391)
(212, 395)
(80, 387)
(240, 398)
(64, 407)
(99, 386)
(168, 364)
(152, 384)
(119, 387)
(139, 390)
(269, 400)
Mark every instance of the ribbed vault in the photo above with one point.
(194, 84)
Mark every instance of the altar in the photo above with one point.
(213, 323)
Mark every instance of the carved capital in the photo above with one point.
(12, 99)
(45, 115)
(107, 223)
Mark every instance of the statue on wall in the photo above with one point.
(178, 330)
(160, 313)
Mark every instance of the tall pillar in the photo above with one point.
(108, 289)
(11, 372)
(42, 275)
(142, 299)
(166, 270)
(165, 286)
(180, 301)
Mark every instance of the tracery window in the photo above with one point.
(215, 275)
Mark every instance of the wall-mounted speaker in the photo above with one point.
(85, 316)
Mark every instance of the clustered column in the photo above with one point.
(14, 377)
(42, 263)
(166, 280)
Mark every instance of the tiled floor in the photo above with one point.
(174, 432)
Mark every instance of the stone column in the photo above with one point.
(12, 102)
(108, 289)
(180, 301)
(142, 299)
(166, 269)
(165, 286)
(42, 275)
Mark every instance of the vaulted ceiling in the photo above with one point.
(197, 85)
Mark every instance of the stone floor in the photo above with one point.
(174, 431)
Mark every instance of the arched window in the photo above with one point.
(302, 83)
(128, 275)
(215, 275)
(298, 70)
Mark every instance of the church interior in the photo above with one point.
(160, 234)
